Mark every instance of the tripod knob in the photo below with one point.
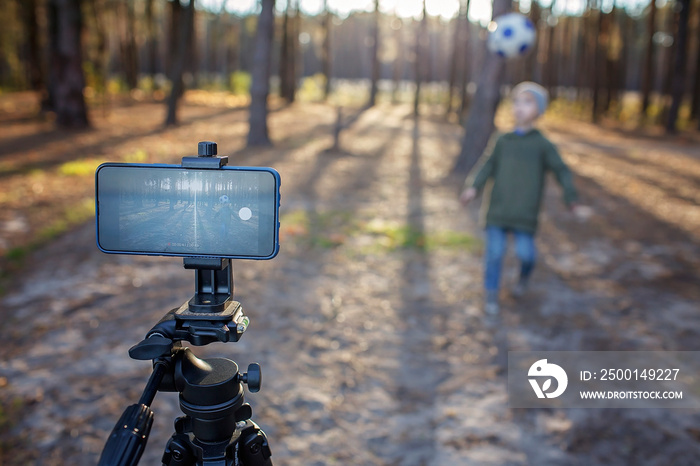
(253, 378)
(206, 149)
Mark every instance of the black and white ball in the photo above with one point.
(223, 199)
(511, 35)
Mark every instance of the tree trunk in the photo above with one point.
(678, 80)
(174, 39)
(213, 34)
(468, 58)
(219, 48)
(35, 76)
(66, 63)
(288, 57)
(418, 59)
(648, 74)
(295, 65)
(597, 65)
(480, 123)
(695, 101)
(233, 39)
(130, 59)
(695, 106)
(627, 39)
(326, 49)
(586, 55)
(99, 58)
(456, 52)
(610, 57)
(398, 61)
(284, 55)
(298, 51)
(179, 59)
(151, 43)
(191, 53)
(549, 79)
(669, 60)
(375, 56)
(532, 71)
(258, 133)
(581, 38)
(568, 49)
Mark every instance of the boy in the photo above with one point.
(517, 165)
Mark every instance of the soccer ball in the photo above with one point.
(223, 199)
(511, 35)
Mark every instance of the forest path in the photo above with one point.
(368, 324)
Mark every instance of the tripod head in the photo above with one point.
(204, 319)
(217, 428)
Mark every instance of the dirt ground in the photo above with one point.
(368, 324)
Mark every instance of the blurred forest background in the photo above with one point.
(628, 60)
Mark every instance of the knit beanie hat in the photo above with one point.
(537, 91)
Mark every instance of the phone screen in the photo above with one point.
(232, 212)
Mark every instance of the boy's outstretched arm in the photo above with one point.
(561, 171)
(471, 189)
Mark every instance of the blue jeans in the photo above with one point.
(496, 241)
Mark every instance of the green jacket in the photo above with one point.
(518, 165)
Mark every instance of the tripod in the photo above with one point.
(216, 428)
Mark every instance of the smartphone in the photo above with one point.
(168, 210)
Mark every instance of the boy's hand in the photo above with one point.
(467, 195)
(581, 212)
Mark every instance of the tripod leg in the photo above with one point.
(248, 447)
(253, 449)
(178, 451)
(128, 439)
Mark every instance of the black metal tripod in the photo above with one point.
(216, 428)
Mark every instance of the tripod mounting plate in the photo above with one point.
(201, 328)
(198, 328)
(232, 312)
